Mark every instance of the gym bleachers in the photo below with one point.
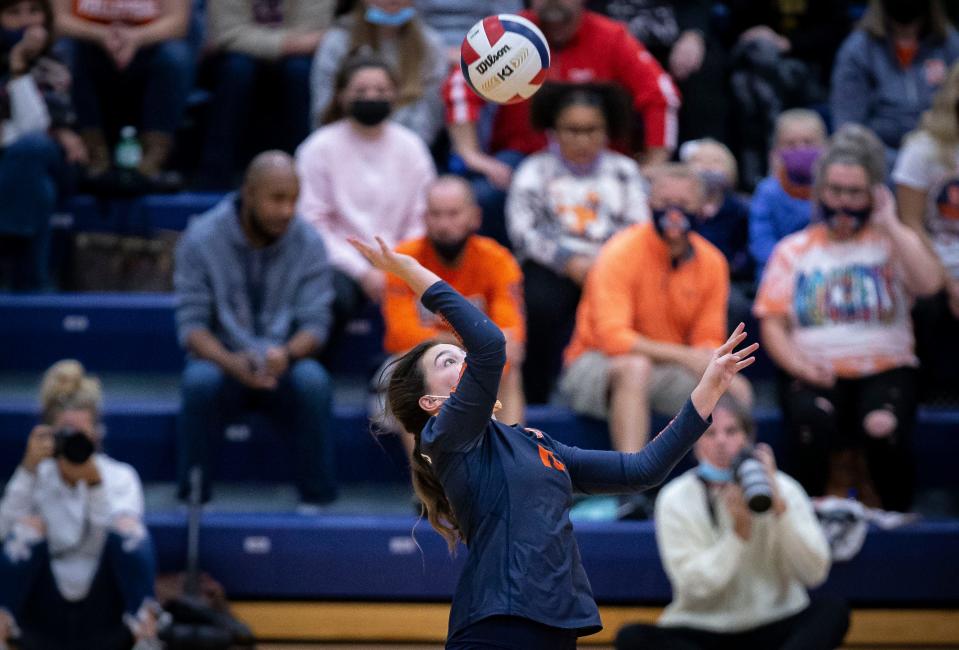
(366, 556)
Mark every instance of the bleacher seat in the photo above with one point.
(375, 557)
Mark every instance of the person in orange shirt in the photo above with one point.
(653, 309)
(479, 268)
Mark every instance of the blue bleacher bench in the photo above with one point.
(375, 558)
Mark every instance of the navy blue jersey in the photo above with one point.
(511, 487)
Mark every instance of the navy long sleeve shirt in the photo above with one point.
(511, 487)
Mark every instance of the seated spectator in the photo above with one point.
(261, 48)
(392, 30)
(834, 309)
(927, 191)
(253, 289)
(584, 47)
(477, 267)
(890, 66)
(136, 46)
(451, 19)
(680, 34)
(564, 204)
(739, 578)
(78, 567)
(725, 218)
(37, 138)
(780, 206)
(653, 309)
(363, 175)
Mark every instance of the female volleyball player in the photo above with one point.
(505, 491)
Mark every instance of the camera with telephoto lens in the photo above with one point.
(72, 445)
(751, 476)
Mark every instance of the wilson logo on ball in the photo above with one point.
(504, 58)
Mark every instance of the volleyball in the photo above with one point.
(504, 58)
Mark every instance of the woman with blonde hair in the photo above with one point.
(78, 567)
(927, 189)
(391, 30)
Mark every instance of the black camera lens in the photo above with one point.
(73, 446)
(752, 478)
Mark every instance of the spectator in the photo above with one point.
(927, 191)
(36, 117)
(363, 175)
(888, 69)
(725, 218)
(78, 567)
(129, 45)
(451, 19)
(262, 48)
(392, 30)
(477, 267)
(780, 205)
(653, 309)
(254, 288)
(584, 47)
(563, 205)
(834, 309)
(808, 31)
(739, 579)
(680, 34)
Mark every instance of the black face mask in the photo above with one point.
(905, 12)
(661, 219)
(450, 251)
(370, 112)
(828, 214)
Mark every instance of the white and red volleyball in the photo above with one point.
(504, 58)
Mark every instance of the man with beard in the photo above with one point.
(584, 47)
(254, 290)
(477, 267)
(652, 311)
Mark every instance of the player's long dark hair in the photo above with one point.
(407, 385)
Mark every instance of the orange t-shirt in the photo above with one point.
(487, 275)
(633, 290)
(134, 12)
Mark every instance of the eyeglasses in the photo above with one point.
(853, 193)
(588, 131)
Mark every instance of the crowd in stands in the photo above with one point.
(688, 165)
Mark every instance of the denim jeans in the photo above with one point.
(123, 583)
(31, 174)
(161, 75)
(287, 114)
(301, 404)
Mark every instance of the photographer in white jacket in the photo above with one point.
(77, 568)
(739, 578)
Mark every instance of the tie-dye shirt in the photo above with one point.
(846, 301)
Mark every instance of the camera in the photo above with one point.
(73, 445)
(751, 476)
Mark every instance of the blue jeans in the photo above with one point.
(237, 77)
(301, 404)
(31, 172)
(123, 583)
(492, 200)
(161, 73)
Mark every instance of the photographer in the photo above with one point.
(739, 577)
(77, 569)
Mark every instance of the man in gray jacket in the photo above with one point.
(254, 290)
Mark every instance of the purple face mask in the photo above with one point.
(799, 163)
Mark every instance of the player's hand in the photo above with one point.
(39, 446)
(726, 363)
(383, 257)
